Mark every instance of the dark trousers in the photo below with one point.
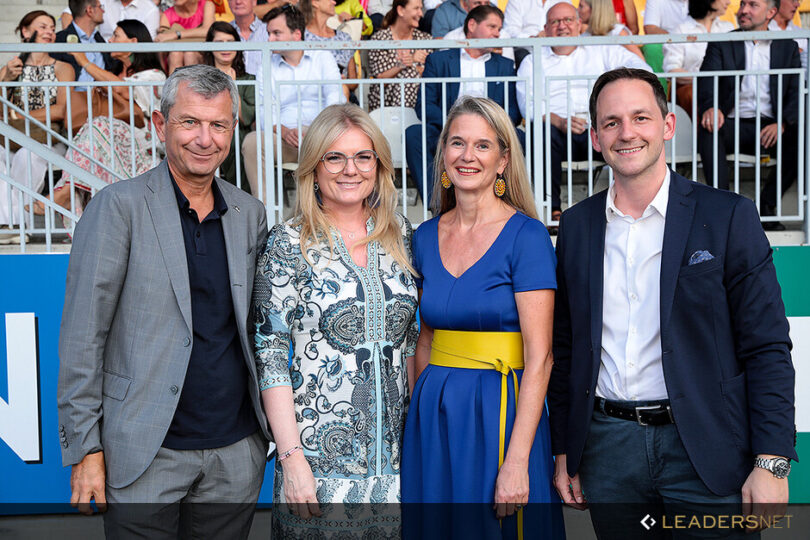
(413, 157)
(559, 153)
(748, 142)
(629, 471)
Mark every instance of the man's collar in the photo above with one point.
(220, 205)
(659, 202)
(482, 58)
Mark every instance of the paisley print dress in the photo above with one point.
(348, 330)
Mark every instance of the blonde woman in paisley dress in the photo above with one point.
(335, 286)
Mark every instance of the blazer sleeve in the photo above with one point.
(760, 333)
(790, 90)
(712, 61)
(561, 349)
(98, 266)
(433, 95)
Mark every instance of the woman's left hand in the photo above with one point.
(80, 58)
(511, 489)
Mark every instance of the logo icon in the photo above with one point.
(648, 521)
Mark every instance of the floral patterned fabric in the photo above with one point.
(36, 96)
(350, 329)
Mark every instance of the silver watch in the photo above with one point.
(779, 467)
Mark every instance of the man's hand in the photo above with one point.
(768, 135)
(707, 120)
(290, 136)
(578, 125)
(569, 489)
(764, 495)
(87, 480)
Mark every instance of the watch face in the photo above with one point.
(781, 468)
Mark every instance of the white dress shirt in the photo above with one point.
(258, 34)
(585, 61)
(802, 43)
(114, 11)
(473, 68)
(315, 66)
(689, 56)
(631, 367)
(757, 57)
(666, 14)
(457, 34)
(524, 18)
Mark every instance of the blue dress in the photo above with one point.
(450, 450)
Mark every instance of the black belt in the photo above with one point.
(645, 415)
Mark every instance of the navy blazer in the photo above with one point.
(730, 55)
(724, 334)
(447, 63)
(110, 64)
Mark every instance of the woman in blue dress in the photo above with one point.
(487, 284)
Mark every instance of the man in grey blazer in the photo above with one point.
(158, 399)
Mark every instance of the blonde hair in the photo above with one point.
(518, 190)
(603, 17)
(327, 127)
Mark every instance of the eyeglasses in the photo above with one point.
(567, 21)
(335, 162)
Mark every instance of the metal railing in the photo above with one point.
(271, 172)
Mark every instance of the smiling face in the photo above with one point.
(630, 130)
(197, 133)
(472, 156)
(349, 188)
(411, 14)
(43, 26)
(224, 58)
(562, 20)
(755, 14)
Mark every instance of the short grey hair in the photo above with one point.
(206, 81)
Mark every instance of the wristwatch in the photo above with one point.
(779, 467)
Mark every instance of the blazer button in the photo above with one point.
(587, 392)
(186, 342)
(174, 389)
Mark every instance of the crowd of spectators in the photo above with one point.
(565, 106)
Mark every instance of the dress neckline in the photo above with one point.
(481, 258)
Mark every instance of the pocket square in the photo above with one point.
(699, 257)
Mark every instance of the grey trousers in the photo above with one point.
(191, 494)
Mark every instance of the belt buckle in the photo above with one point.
(642, 408)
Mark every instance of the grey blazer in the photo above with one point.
(126, 332)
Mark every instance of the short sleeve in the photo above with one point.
(275, 300)
(533, 260)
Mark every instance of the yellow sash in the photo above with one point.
(501, 351)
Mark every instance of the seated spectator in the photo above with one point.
(457, 34)
(189, 20)
(753, 15)
(401, 23)
(117, 144)
(251, 29)
(783, 20)
(376, 10)
(117, 10)
(482, 22)
(599, 19)
(44, 103)
(87, 16)
(451, 14)
(567, 97)
(704, 16)
(347, 10)
(316, 13)
(286, 23)
(664, 16)
(233, 63)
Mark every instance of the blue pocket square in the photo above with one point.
(699, 257)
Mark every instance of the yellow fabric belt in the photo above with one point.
(501, 351)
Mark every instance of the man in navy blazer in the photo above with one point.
(672, 380)
(482, 22)
(753, 15)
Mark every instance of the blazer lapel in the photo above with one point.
(162, 204)
(596, 267)
(236, 247)
(680, 212)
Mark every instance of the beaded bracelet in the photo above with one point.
(284, 455)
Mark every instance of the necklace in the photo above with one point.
(351, 234)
